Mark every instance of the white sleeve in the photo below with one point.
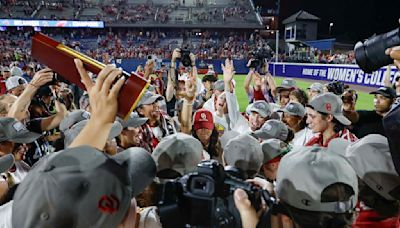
(233, 108)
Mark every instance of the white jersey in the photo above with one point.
(302, 137)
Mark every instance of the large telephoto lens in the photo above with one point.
(370, 54)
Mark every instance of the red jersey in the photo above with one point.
(344, 134)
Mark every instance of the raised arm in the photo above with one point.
(103, 96)
(19, 109)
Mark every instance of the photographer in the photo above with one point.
(264, 85)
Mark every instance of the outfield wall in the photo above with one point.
(349, 74)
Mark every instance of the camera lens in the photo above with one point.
(370, 55)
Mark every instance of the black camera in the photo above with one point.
(370, 54)
(335, 87)
(204, 198)
(259, 57)
(185, 57)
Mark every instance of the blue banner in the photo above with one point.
(349, 74)
(51, 23)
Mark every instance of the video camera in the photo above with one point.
(204, 198)
(185, 57)
(370, 54)
(260, 57)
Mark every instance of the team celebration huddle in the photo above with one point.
(193, 114)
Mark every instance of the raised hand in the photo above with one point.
(42, 77)
(228, 70)
(102, 94)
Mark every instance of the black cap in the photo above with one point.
(209, 77)
(385, 91)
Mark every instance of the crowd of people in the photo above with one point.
(68, 160)
(14, 46)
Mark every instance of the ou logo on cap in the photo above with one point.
(203, 117)
(108, 204)
(328, 106)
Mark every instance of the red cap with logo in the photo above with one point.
(203, 119)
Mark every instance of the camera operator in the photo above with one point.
(264, 85)
(366, 122)
(325, 118)
(302, 202)
(379, 183)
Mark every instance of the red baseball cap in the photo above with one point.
(203, 119)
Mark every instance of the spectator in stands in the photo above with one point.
(294, 116)
(370, 122)
(28, 73)
(326, 119)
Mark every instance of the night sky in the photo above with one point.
(353, 19)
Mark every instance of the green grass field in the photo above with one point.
(365, 100)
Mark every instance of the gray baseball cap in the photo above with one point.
(6, 162)
(273, 148)
(180, 152)
(82, 187)
(74, 131)
(294, 109)
(149, 98)
(244, 152)
(73, 118)
(329, 103)
(287, 84)
(318, 87)
(272, 129)
(134, 120)
(260, 107)
(371, 159)
(305, 172)
(5, 69)
(14, 131)
(219, 85)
